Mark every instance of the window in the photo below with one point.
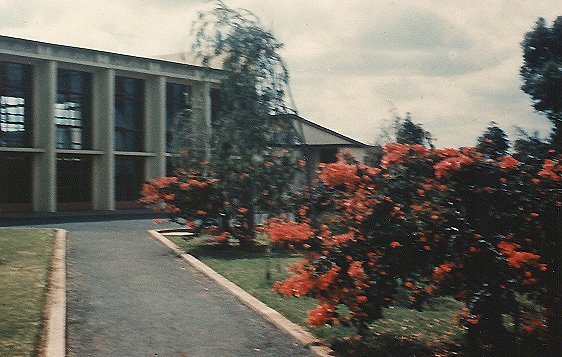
(15, 182)
(129, 114)
(129, 177)
(74, 187)
(216, 104)
(73, 109)
(177, 96)
(15, 108)
(328, 155)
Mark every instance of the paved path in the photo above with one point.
(129, 296)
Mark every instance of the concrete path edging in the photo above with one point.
(297, 332)
(53, 335)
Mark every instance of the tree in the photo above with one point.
(542, 70)
(408, 132)
(493, 143)
(247, 161)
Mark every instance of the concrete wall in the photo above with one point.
(46, 59)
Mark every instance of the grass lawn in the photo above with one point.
(24, 263)
(402, 332)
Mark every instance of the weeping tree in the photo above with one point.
(248, 137)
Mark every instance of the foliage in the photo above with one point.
(433, 222)
(542, 70)
(247, 162)
(493, 143)
(408, 132)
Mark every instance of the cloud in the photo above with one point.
(353, 64)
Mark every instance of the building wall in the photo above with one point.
(101, 165)
(89, 143)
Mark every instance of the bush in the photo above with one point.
(434, 222)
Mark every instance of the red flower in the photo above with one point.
(339, 173)
(355, 269)
(321, 315)
(395, 244)
(361, 299)
(242, 210)
(508, 162)
(282, 231)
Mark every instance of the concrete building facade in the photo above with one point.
(82, 129)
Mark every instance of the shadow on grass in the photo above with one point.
(391, 346)
(202, 247)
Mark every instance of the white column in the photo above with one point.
(44, 136)
(155, 127)
(103, 180)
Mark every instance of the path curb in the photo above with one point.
(53, 334)
(297, 332)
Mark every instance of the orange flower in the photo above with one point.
(508, 162)
(409, 284)
(339, 173)
(395, 244)
(242, 210)
(320, 315)
(355, 269)
(281, 231)
(361, 299)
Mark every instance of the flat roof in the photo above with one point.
(15, 46)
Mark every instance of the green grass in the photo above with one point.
(402, 332)
(24, 263)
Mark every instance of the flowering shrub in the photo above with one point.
(430, 222)
(188, 198)
(227, 205)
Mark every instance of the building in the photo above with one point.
(82, 129)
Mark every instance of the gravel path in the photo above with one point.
(129, 296)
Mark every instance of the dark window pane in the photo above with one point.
(73, 110)
(74, 179)
(15, 179)
(328, 155)
(170, 167)
(216, 104)
(129, 177)
(177, 96)
(129, 114)
(15, 108)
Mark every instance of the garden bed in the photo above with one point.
(24, 268)
(402, 332)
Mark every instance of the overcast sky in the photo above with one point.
(354, 64)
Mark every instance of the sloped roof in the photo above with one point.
(315, 134)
